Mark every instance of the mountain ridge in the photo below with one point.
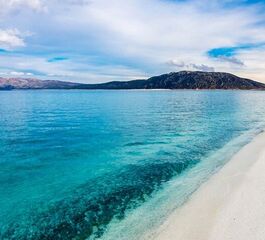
(173, 80)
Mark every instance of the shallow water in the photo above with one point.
(112, 164)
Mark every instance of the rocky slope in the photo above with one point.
(174, 80)
(32, 83)
(185, 80)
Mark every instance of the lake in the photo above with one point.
(79, 164)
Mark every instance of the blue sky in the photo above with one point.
(103, 40)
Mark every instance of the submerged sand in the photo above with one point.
(230, 206)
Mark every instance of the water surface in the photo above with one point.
(112, 164)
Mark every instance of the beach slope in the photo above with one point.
(231, 205)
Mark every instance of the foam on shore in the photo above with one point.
(231, 205)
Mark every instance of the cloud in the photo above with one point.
(190, 66)
(228, 54)
(232, 60)
(134, 38)
(151, 32)
(254, 60)
(202, 67)
(177, 64)
(75, 2)
(72, 70)
(10, 39)
(14, 73)
(7, 6)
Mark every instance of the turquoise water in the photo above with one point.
(112, 164)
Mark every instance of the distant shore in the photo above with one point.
(231, 205)
(194, 80)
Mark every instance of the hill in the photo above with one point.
(32, 83)
(174, 80)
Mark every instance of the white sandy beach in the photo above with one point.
(230, 206)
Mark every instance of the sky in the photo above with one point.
(93, 41)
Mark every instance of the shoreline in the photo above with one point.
(230, 205)
(132, 90)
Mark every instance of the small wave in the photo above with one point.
(141, 143)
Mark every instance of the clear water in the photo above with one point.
(112, 164)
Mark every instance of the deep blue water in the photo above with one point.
(111, 164)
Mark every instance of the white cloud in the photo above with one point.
(153, 32)
(16, 74)
(68, 70)
(255, 60)
(10, 38)
(74, 2)
(10, 5)
(149, 27)
(232, 60)
(190, 66)
(142, 35)
(20, 74)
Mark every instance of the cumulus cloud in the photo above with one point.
(190, 66)
(10, 39)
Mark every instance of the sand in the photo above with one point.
(229, 206)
